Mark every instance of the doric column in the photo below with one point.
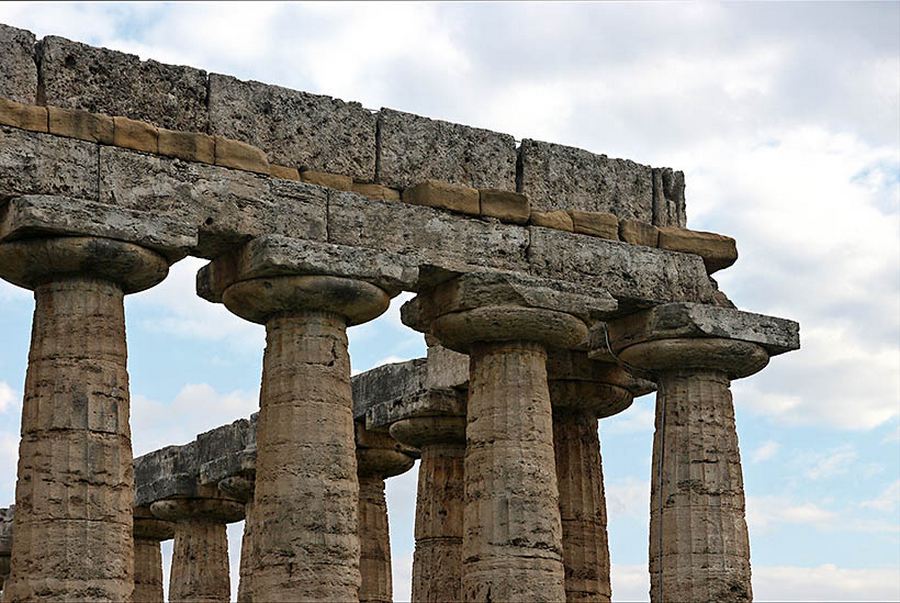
(437, 561)
(512, 540)
(241, 488)
(75, 483)
(378, 457)
(149, 531)
(200, 556)
(6, 521)
(304, 518)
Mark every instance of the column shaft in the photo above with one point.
(73, 521)
(200, 562)
(148, 576)
(582, 506)
(699, 546)
(437, 561)
(244, 588)
(304, 518)
(374, 541)
(512, 542)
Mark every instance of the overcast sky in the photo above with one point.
(786, 120)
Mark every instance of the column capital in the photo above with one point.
(379, 454)
(217, 510)
(33, 262)
(148, 526)
(580, 384)
(423, 431)
(238, 487)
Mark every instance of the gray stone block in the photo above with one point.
(412, 149)
(447, 369)
(559, 177)
(6, 524)
(169, 472)
(386, 383)
(227, 451)
(669, 207)
(295, 128)
(636, 276)
(78, 76)
(41, 164)
(425, 234)
(423, 403)
(18, 70)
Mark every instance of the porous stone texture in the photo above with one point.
(717, 251)
(99, 80)
(18, 71)
(443, 195)
(200, 562)
(6, 540)
(638, 233)
(558, 219)
(295, 128)
(387, 384)
(283, 171)
(668, 198)
(21, 115)
(560, 177)
(412, 148)
(374, 542)
(189, 146)
(83, 125)
(596, 223)
(446, 368)
(240, 156)
(338, 181)
(376, 191)
(135, 135)
(148, 575)
(506, 206)
(33, 163)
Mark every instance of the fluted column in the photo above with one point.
(699, 545)
(437, 560)
(75, 482)
(241, 488)
(304, 518)
(6, 520)
(148, 575)
(199, 571)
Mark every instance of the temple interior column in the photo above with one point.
(149, 531)
(241, 488)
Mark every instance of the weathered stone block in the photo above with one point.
(99, 80)
(717, 251)
(444, 195)
(83, 125)
(638, 233)
(189, 146)
(668, 198)
(596, 223)
(295, 128)
(285, 172)
(386, 383)
(506, 206)
(338, 181)
(18, 71)
(428, 234)
(636, 276)
(42, 164)
(24, 116)
(446, 368)
(414, 148)
(376, 191)
(560, 177)
(240, 156)
(423, 403)
(558, 219)
(135, 135)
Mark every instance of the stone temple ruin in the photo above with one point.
(552, 285)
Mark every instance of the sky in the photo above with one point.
(786, 121)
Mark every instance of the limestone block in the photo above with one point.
(295, 128)
(446, 368)
(99, 80)
(167, 473)
(21, 115)
(717, 251)
(668, 198)
(426, 403)
(240, 156)
(638, 233)
(505, 206)
(425, 233)
(560, 177)
(443, 195)
(32, 163)
(387, 383)
(596, 223)
(283, 171)
(636, 276)
(412, 148)
(18, 71)
(558, 219)
(84, 125)
(376, 191)
(189, 146)
(338, 181)
(136, 135)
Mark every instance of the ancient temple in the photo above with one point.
(553, 286)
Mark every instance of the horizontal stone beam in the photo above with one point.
(386, 383)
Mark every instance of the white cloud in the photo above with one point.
(766, 451)
(887, 501)
(629, 582)
(833, 462)
(765, 512)
(825, 583)
(639, 417)
(629, 497)
(9, 399)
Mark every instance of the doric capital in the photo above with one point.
(422, 431)
(578, 383)
(148, 526)
(212, 509)
(33, 262)
(238, 487)
(378, 454)
(734, 358)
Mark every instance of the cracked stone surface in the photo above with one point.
(18, 70)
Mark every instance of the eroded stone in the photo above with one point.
(18, 71)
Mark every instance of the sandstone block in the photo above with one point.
(99, 80)
(558, 219)
(295, 128)
(342, 183)
(136, 135)
(506, 206)
(668, 198)
(560, 177)
(285, 172)
(443, 195)
(638, 233)
(717, 251)
(597, 224)
(240, 156)
(376, 191)
(83, 125)
(189, 146)
(18, 71)
(20, 115)
(41, 164)
(414, 148)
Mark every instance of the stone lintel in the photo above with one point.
(447, 369)
(689, 320)
(276, 255)
(167, 473)
(386, 383)
(423, 403)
